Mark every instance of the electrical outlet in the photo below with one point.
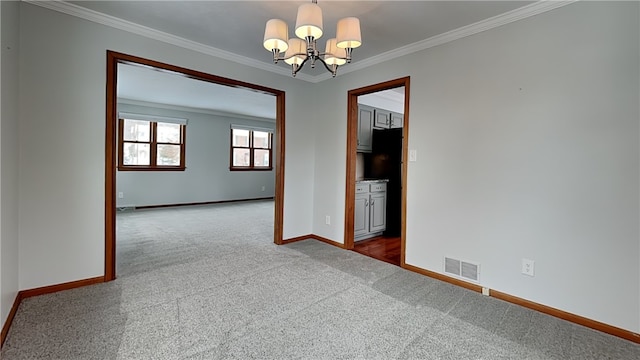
(485, 291)
(327, 220)
(120, 195)
(528, 267)
(262, 187)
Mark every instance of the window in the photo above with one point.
(251, 149)
(146, 144)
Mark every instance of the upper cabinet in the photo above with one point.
(385, 119)
(365, 128)
(369, 118)
(397, 120)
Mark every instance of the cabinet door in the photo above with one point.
(397, 120)
(365, 128)
(382, 119)
(378, 209)
(361, 215)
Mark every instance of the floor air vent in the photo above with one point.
(463, 269)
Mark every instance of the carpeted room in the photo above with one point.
(556, 183)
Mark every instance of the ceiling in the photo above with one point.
(237, 27)
(138, 85)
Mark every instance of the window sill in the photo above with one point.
(250, 169)
(151, 168)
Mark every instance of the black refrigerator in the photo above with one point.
(386, 163)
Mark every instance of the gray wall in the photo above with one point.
(62, 134)
(9, 11)
(207, 177)
(527, 140)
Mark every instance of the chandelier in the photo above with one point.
(299, 51)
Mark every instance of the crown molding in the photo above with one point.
(128, 26)
(524, 12)
(127, 101)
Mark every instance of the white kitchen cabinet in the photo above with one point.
(365, 128)
(370, 214)
(361, 212)
(397, 120)
(385, 119)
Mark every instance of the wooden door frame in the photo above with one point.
(352, 141)
(113, 59)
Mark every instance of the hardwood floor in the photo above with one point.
(382, 248)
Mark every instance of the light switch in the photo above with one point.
(413, 155)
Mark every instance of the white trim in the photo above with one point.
(249, 127)
(524, 12)
(131, 27)
(152, 118)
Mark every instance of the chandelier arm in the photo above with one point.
(331, 70)
(300, 66)
(337, 57)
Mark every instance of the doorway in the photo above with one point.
(375, 196)
(113, 59)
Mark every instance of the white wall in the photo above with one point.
(207, 177)
(62, 118)
(9, 15)
(528, 147)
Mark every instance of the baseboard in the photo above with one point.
(23, 294)
(12, 314)
(200, 203)
(315, 237)
(60, 287)
(576, 319)
(297, 238)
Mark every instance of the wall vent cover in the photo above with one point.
(463, 269)
(452, 266)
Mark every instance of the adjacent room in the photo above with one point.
(191, 121)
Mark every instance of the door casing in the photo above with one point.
(113, 59)
(352, 141)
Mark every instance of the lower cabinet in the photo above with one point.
(370, 210)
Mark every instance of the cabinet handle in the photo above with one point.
(372, 201)
(366, 203)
